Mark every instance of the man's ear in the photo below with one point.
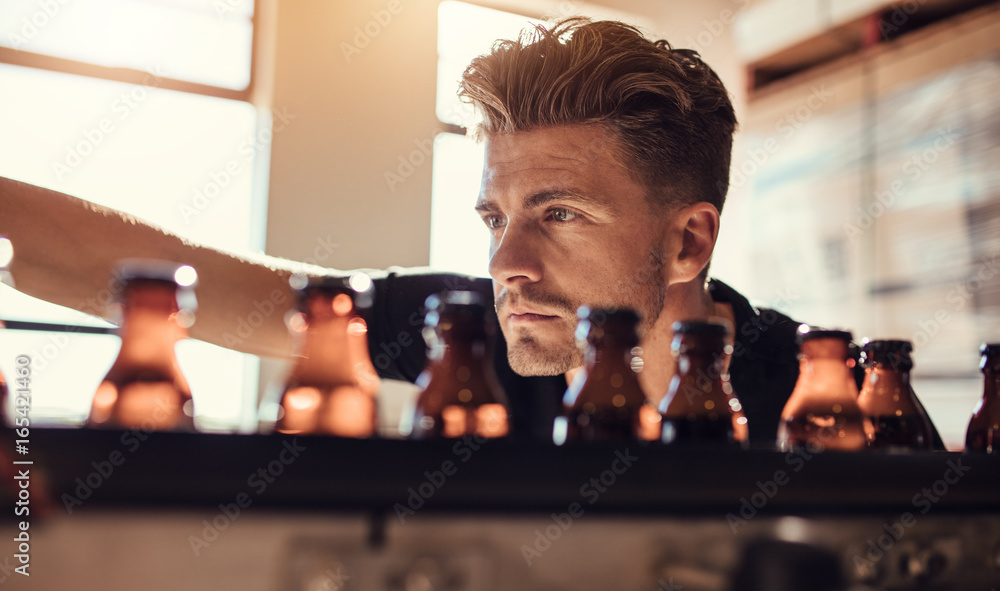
(698, 226)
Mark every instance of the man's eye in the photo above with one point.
(493, 221)
(562, 215)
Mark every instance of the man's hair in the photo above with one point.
(669, 110)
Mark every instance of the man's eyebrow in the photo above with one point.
(483, 206)
(543, 197)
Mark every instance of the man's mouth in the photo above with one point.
(519, 315)
(520, 309)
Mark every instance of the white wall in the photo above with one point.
(355, 118)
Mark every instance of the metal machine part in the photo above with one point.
(261, 549)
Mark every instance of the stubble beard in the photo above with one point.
(643, 291)
(528, 356)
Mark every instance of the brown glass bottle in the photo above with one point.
(887, 398)
(983, 434)
(605, 401)
(145, 387)
(331, 389)
(700, 406)
(823, 411)
(460, 394)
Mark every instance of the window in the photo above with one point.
(146, 111)
(459, 240)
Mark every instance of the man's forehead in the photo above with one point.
(550, 158)
(577, 142)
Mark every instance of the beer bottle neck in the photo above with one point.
(886, 392)
(991, 386)
(149, 335)
(829, 375)
(454, 352)
(887, 373)
(608, 371)
(698, 387)
(454, 344)
(700, 364)
(605, 358)
(833, 364)
(325, 354)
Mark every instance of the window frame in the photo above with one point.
(41, 61)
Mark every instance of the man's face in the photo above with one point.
(569, 227)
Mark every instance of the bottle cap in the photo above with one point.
(809, 333)
(707, 336)
(892, 352)
(462, 312)
(183, 278)
(358, 285)
(705, 327)
(617, 323)
(157, 270)
(454, 298)
(600, 316)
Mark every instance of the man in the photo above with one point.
(607, 164)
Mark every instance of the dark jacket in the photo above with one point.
(763, 369)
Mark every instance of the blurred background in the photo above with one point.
(865, 190)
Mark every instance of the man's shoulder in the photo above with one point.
(764, 334)
(764, 366)
(425, 280)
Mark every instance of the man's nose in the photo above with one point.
(517, 259)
